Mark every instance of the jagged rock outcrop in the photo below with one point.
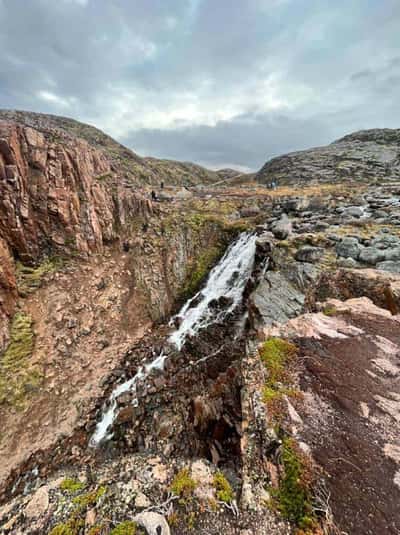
(8, 290)
(368, 155)
(58, 195)
(131, 168)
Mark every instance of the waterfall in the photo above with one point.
(227, 279)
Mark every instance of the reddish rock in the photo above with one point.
(54, 194)
(8, 291)
(349, 374)
(381, 287)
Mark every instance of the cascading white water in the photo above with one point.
(227, 279)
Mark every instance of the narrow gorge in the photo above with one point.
(216, 355)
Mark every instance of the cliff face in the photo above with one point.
(131, 168)
(56, 194)
(368, 155)
(8, 290)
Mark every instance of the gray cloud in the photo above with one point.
(245, 141)
(217, 82)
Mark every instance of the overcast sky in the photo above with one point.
(219, 82)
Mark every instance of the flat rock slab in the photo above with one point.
(351, 416)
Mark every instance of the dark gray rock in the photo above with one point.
(275, 300)
(392, 254)
(384, 241)
(282, 228)
(389, 265)
(354, 211)
(300, 274)
(371, 255)
(310, 254)
(250, 211)
(296, 205)
(349, 263)
(379, 214)
(348, 248)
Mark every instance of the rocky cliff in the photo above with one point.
(131, 168)
(365, 156)
(222, 360)
(58, 196)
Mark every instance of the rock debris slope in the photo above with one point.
(224, 360)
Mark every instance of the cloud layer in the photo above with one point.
(218, 82)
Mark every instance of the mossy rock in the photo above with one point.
(89, 499)
(293, 498)
(223, 488)
(125, 528)
(277, 354)
(73, 526)
(17, 377)
(183, 484)
(71, 485)
(200, 270)
(30, 278)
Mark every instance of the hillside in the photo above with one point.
(365, 156)
(130, 167)
(180, 173)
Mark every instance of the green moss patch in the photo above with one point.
(73, 526)
(277, 355)
(30, 278)
(183, 484)
(89, 499)
(200, 270)
(223, 488)
(293, 498)
(76, 521)
(17, 377)
(71, 485)
(330, 310)
(125, 528)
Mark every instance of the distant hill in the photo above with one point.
(368, 155)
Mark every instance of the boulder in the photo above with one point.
(282, 228)
(275, 300)
(296, 205)
(382, 288)
(310, 254)
(371, 255)
(250, 211)
(384, 241)
(347, 263)
(349, 247)
(389, 265)
(38, 504)
(392, 254)
(153, 523)
(354, 211)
